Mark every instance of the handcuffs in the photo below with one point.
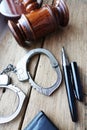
(23, 74)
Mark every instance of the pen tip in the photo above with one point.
(64, 57)
(63, 49)
(63, 52)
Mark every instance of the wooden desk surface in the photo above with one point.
(74, 39)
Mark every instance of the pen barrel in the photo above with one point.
(76, 81)
(70, 93)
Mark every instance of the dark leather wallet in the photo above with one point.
(41, 122)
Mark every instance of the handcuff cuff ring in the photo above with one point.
(21, 98)
(23, 74)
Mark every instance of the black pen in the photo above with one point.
(69, 86)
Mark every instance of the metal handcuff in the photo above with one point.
(23, 74)
(5, 83)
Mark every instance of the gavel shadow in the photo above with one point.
(61, 35)
(68, 35)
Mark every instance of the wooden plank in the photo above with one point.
(74, 39)
(11, 53)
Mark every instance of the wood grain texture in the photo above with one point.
(74, 39)
(10, 52)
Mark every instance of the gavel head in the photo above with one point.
(39, 22)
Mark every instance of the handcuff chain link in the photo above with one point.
(9, 68)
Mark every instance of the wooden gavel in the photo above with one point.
(39, 21)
